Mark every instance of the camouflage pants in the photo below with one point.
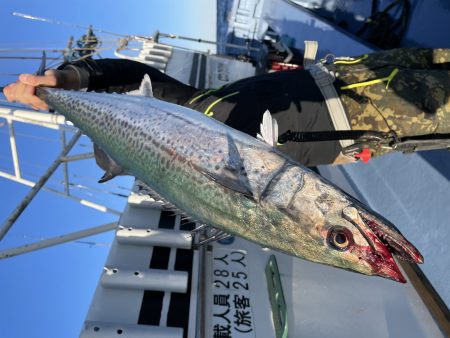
(401, 90)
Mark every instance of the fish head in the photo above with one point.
(344, 233)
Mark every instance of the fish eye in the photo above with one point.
(340, 238)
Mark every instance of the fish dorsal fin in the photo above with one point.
(146, 87)
(269, 130)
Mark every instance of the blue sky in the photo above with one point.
(47, 293)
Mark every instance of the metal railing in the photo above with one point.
(56, 122)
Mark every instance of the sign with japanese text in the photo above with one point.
(232, 313)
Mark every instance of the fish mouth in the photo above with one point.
(385, 241)
(389, 235)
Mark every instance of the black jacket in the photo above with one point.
(291, 96)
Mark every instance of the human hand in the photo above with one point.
(24, 89)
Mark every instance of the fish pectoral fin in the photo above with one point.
(106, 177)
(101, 158)
(104, 161)
(231, 180)
(268, 130)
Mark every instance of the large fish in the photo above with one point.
(234, 182)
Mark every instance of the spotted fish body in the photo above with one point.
(234, 182)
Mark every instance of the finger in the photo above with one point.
(23, 92)
(32, 100)
(49, 79)
(37, 103)
(8, 92)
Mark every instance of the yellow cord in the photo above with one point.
(208, 111)
(201, 95)
(209, 91)
(388, 80)
(351, 62)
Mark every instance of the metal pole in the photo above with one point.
(56, 240)
(33, 50)
(77, 157)
(53, 121)
(187, 38)
(92, 205)
(26, 58)
(30, 50)
(29, 197)
(65, 166)
(232, 45)
(12, 142)
(37, 123)
(173, 36)
(68, 51)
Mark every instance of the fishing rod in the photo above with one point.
(63, 23)
(47, 58)
(200, 40)
(32, 50)
(16, 57)
(154, 38)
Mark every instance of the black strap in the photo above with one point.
(315, 136)
(422, 142)
(366, 139)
